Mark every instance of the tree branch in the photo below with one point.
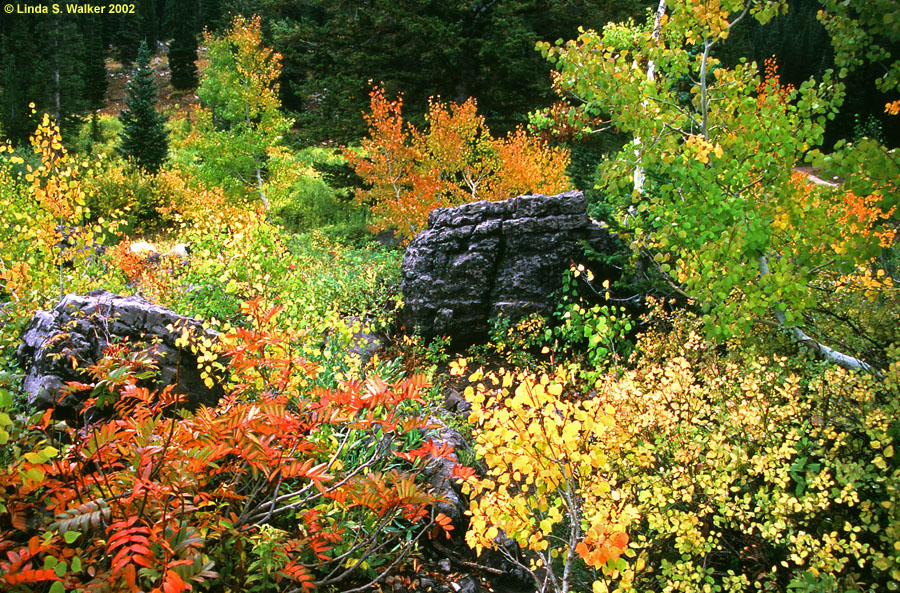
(821, 350)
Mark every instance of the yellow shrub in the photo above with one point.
(548, 485)
(738, 472)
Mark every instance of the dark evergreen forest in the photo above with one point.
(334, 51)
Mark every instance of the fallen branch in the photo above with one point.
(817, 348)
(455, 558)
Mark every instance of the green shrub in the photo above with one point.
(98, 135)
(585, 338)
(138, 198)
(302, 198)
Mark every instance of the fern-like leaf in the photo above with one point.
(30, 575)
(93, 514)
(129, 544)
(197, 571)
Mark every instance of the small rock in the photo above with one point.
(145, 250)
(444, 565)
(60, 344)
(455, 402)
(466, 584)
(439, 473)
(180, 250)
(389, 238)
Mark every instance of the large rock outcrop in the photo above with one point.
(60, 344)
(478, 260)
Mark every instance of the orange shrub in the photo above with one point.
(410, 172)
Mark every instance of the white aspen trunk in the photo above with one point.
(821, 350)
(260, 187)
(639, 177)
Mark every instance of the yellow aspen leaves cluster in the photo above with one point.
(44, 205)
(548, 485)
(744, 471)
(54, 183)
(712, 16)
(702, 148)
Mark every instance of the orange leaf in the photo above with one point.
(173, 583)
(31, 576)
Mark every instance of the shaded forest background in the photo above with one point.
(334, 51)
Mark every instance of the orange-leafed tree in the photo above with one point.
(460, 147)
(399, 191)
(455, 159)
(525, 164)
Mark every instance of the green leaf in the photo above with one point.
(70, 536)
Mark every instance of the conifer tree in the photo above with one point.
(15, 118)
(211, 14)
(96, 135)
(95, 74)
(149, 22)
(144, 138)
(127, 39)
(42, 62)
(183, 51)
(58, 75)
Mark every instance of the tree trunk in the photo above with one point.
(638, 178)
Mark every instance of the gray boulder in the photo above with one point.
(60, 344)
(478, 260)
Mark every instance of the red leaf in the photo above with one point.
(130, 575)
(462, 471)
